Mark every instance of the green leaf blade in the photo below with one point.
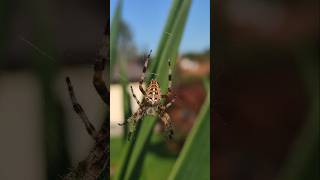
(196, 151)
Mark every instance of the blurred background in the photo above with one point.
(266, 90)
(141, 27)
(41, 42)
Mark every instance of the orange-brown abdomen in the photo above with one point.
(153, 93)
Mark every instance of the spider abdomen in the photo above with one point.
(153, 93)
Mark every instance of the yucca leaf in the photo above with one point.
(126, 97)
(196, 150)
(127, 113)
(57, 159)
(115, 58)
(115, 29)
(166, 34)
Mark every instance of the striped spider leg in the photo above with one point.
(151, 103)
(99, 68)
(79, 110)
(97, 161)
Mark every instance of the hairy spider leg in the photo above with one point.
(165, 118)
(144, 73)
(132, 121)
(79, 110)
(135, 97)
(169, 77)
(165, 96)
(98, 159)
(171, 102)
(99, 67)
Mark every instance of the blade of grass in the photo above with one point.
(166, 34)
(114, 34)
(196, 150)
(126, 97)
(171, 43)
(115, 29)
(127, 111)
(54, 130)
(168, 51)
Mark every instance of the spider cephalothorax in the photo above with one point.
(151, 104)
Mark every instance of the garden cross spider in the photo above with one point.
(151, 103)
(97, 162)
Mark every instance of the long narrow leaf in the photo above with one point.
(115, 29)
(196, 150)
(166, 35)
(57, 159)
(126, 97)
(303, 158)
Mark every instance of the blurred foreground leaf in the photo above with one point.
(194, 159)
(115, 58)
(303, 159)
(57, 159)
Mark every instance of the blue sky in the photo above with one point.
(146, 20)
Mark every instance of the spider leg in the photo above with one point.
(171, 102)
(169, 77)
(135, 97)
(79, 110)
(144, 73)
(165, 118)
(165, 96)
(122, 124)
(132, 122)
(99, 67)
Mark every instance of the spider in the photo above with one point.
(96, 163)
(151, 103)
